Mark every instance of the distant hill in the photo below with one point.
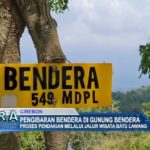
(131, 101)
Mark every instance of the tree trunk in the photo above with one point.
(41, 26)
(35, 14)
(56, 140)
(11, 29)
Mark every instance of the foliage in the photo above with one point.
(146, 109)
(32, 141)
(93, 141)
(110, 141)
(85, 140)
(58, 6)
(132, 101)
(145, 59)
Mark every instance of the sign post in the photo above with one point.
(55, 85)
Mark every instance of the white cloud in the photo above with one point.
(100, 22)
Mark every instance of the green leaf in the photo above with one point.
(145, 59)
(58, 6)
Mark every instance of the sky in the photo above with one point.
(97, 31)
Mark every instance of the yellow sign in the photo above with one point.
(55, 85)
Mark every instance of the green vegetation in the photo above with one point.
(58, 6)
(93, 141)
(131, 101)
(32, 141)
(111, 141)
(145, 59)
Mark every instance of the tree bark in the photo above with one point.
(35, 14)
(11, 28)
(37, 17)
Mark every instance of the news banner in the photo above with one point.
(18, 119)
